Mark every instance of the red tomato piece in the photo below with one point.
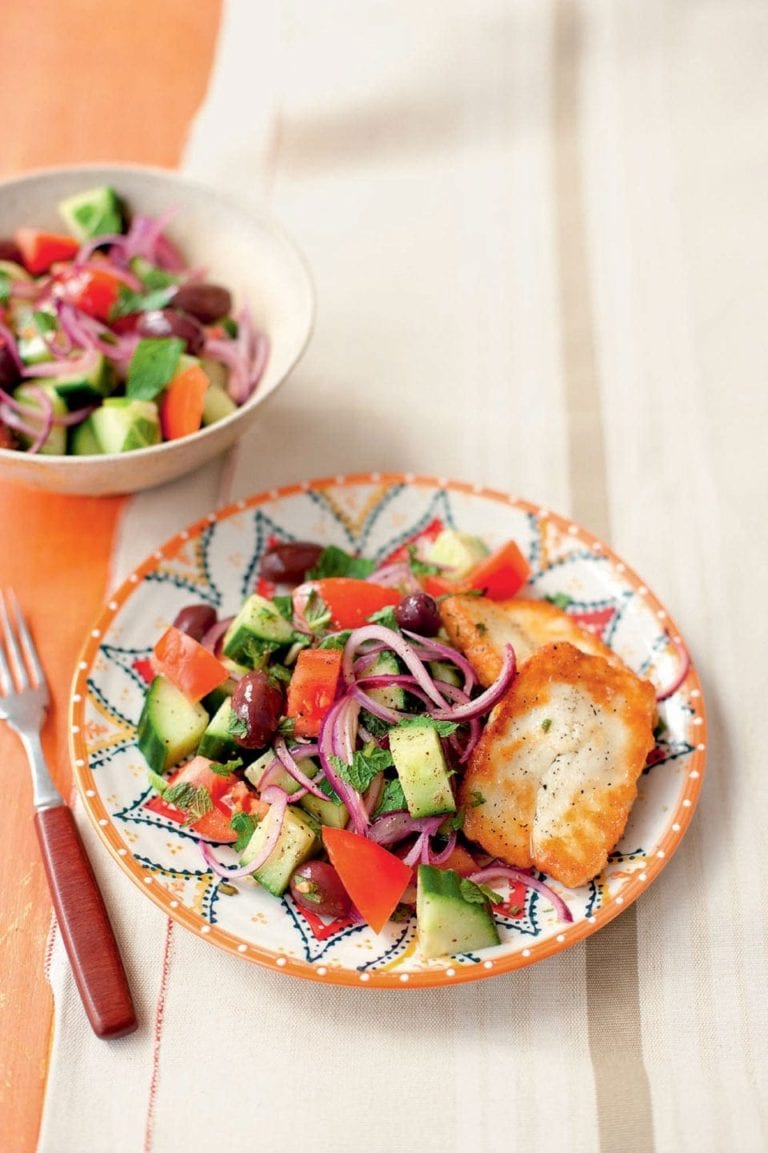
(374, 878)
(349, 601)
(91, 290)
(502, 574)
(313, 689)
(181, 405)
(39, 250)
(228, 794)
(183, 660)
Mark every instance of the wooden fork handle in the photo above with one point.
(84, 924)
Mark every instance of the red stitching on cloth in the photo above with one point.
(149, 1128)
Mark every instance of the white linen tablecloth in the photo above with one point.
(537, 232)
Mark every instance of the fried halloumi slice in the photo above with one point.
(479, 628)
(554, 775)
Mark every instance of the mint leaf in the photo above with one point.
(546, 724)
(316, 612)
(478, 894)
(419, 567)
(366, 764)
(385, 617)
(335, 640)
(374, 725)
(392, 798)
(287, 726)
(193, 800)
(152, 366)
(129, 302)
(154, 278)
(326, 787)
(236, 726)
(243, 824)
(225, 769)
(284, 605)
(45, 321)
(477, 798)
(335, 562)
(561, 600)
(5, 287)
(443, 728)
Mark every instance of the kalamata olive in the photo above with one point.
(316, 886)
(9, 250)
(206, 302)
(195, 620)
(9, 372)
(258, 702)
(289, 561)
(418, 613)
(164, 322)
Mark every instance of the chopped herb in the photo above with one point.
(392, 798)
(546, 724)
(561, 600)
(419, 567)
(284, 605)
(316, 612)
(309, 889)
(287, 726)
(243, 824)
(326, 787)
(152, 277)
(257, 651)
(335, 640)
(229, 325)
(385, 617)
(454, 823)
(5, 287)
(477, 798)
(279, 672)
(366, 764)
(236, 726)
(193, 800)
(443, 728)
(129, 302)
(152, 366)
(45, 321)
(375, 726)
(478, 894)
(336, 562)
(225, 769)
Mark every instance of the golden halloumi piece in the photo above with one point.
(557, 765)
(479, 628)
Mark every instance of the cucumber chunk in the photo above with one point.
(217, 742)
(55, 444)
(86, 387)
(446, 921)
(122, 425)
(170, 726)
(422, 769)
(95, 212)
(257, 628)
(327, 812)
(296, 843)
(459, 552)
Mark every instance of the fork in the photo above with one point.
(83, 920)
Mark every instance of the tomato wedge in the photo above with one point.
(190, 667)
(91, 290)
(349, 601)
(499, 576)
(181, 405)
(228, 794)
(39, 250)
(312, 689)
(374, 878)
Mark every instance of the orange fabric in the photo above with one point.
(150, 68)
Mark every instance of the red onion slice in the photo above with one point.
(430, 649)
(288, 760)
(64, 367)
(277, 799)
(329, 745)
(400, 646)
(516, 876)
(485, 702)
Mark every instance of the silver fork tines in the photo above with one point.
(24, 695)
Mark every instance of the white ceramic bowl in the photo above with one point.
(241, 248)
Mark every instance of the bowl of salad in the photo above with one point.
(144, 319)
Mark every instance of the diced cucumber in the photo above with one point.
(31, 325)
(458, 552)
(257, 628)
(422, 769)
(122, 425)
(170, 726)
(217, 742)
(86, 387)
(216, 697)
(445, 671)
(95, 212)
(327, 812)
(386, 664)
(55, 444)
(83, 440)
(446, 921)
(296, 843)
(217, 403)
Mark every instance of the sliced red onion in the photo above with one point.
(682, 673)
(433, 649)
(399, 645)
(288, 760)
(277, 799)
(392, 827)
(485, 702)
(230, 355)
(107, 240)
(9, 340)
(46, 419)
(14, 421)
(418, 850)
(440, 858)
(214, 635)
(75, 416)
(64, 367)
(517, 876)
(122, 274)
(328, 746)
(167, 254)
(396, 574)
(373, 793)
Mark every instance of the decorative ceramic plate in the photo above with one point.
(216, 560)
